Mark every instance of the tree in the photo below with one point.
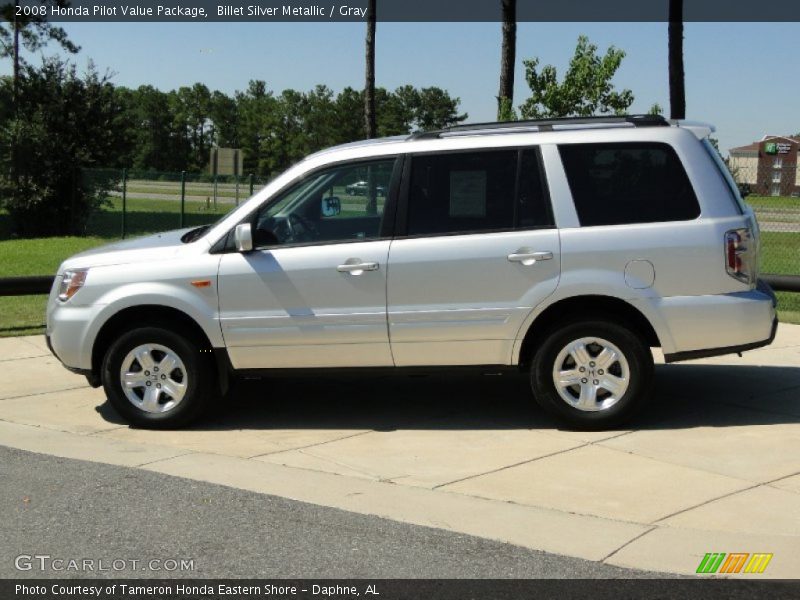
(289, 139)
(586, 89)
(224, 115)
(30, 32)
(156, 141)
(508, 51)
(191, 108)
(257, 109)
(436, 109)
(63, 122)
(677, 91)
(397, 111)
(349, 110)
(369, 84)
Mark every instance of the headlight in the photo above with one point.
(72, 281)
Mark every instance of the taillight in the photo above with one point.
(740, 255)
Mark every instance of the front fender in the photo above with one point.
(115, 289)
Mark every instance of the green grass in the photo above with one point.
(194, 190)
(780, 255)
(24, 315)
(41, 256)
(151, 216)
(789, 307)
(780, 252)
(773, 203)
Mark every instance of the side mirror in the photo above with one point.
(243, 237)
(331, 206)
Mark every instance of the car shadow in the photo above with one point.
(684, 396)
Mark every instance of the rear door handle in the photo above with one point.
(527, 258)
(355, 266)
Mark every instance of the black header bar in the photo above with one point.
(399, 589)
(409, 10)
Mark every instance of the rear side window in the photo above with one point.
(472, 192)
(624, 183)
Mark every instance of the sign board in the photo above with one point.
(777, 148)
(226, 161)
(468, 193)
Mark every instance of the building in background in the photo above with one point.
(768, 167)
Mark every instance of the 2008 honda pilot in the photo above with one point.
(565, 248)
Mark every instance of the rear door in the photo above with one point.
(476, 251)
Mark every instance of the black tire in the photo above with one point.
(200, 378)
(639, 361)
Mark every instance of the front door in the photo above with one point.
(313, 292)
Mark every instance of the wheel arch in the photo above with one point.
(581, 307)
(156, 315)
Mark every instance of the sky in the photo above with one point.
(742, 77)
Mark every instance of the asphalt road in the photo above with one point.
(75, 510)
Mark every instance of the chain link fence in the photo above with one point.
(771, 185)
(142, 202)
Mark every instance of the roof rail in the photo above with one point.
(544, 125)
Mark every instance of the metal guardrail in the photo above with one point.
(783, 283)
(41, 284)
(26, 286)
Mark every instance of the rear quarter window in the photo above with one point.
(628, 182)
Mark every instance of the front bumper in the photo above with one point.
(92, 377)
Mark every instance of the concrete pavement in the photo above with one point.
(126, 515)
(712, 465)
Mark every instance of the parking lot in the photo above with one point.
(711, 465)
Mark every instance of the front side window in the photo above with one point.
(473, 192)
(629, 182)
(339, 204)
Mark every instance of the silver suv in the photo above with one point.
(565, 248)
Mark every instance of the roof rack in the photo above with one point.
(544, 125)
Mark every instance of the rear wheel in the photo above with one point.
(592, 374)
(157, 378)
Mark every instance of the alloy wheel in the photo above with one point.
(153, 378)
(591, 374)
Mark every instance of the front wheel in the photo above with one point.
(592, 374)
(158, 379)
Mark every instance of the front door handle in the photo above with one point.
(527, 257)
(355, 266)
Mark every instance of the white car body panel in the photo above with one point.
(290, 306)
(444, 290)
